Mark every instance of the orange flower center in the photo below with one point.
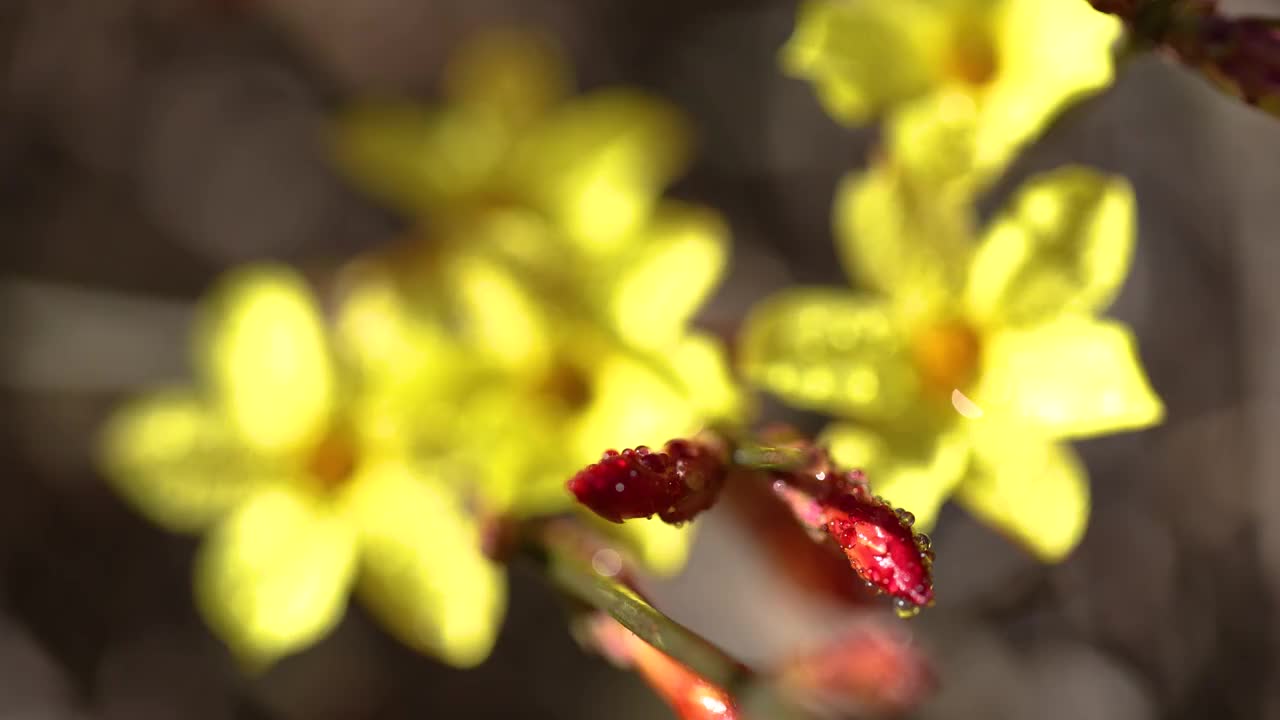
(972, 58)
(332, 461)
(946, 356)
(568, 385)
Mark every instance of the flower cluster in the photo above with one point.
(538, 313)
(963, 358)
(970, 81)
(401, 430)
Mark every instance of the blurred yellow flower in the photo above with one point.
(977, 78)
(966, 364)
(546, 250)
(302, 493)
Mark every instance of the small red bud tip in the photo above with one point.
(675, 484)
(872, 668)
(881, 547)
(876, 538)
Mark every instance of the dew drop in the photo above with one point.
(607, 562)
(906, 517)
(619, 487)
(924, 542)
(905, 608)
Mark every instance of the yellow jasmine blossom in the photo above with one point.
(545, 248)
(987, 75)
(963, 365)
(518, 430)
(301, 493)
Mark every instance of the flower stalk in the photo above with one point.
(698, 679)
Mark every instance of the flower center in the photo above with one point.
(972, 58)
(332, 461)
(568, 385)
(946, 356)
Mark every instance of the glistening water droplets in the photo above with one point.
(675, 484)
(905, 608)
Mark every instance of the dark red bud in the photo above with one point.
(676, 484)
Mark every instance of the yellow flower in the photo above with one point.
(518, 429)
(546, 250)
(978, 78)
(301, 493)
(1006, 328)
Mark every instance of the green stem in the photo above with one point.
(566, 570)
(777, 459)
(578, 580)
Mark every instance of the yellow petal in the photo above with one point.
(700, 362)
(1034, 490)
(916, 471)
(675, 265)
(525, 473)
(423, 573)
(263, 348)
(598, 163)
(500, 317)
(933, 140)
(900, 237)
(829, 350)
(1050, 52)
(416, 159)
(386, 342)
(514, 74)
(411, 375)
(273, 577)
(177, 461)
(842, 47)
(1064, 245)
(1075, 377)
(631, 405)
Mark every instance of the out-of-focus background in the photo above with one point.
(147, 145)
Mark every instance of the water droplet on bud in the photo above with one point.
(905, 608)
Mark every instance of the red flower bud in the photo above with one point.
(876, 538)
(676, 484)
(870, 669)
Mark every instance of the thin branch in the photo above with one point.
(565, 568)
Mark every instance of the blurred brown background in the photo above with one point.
(146, 145)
